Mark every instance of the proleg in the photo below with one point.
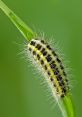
(45, 55)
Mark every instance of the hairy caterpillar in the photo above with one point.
(44, 55)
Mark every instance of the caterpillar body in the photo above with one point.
(45, 55)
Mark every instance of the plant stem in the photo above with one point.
(22, 27)
(66, 106)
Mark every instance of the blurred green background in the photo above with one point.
(21, 94)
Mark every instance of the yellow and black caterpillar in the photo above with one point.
(44, 54)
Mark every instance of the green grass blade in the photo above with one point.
(22, 27)
(66, 106)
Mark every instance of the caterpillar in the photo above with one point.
(46, 56)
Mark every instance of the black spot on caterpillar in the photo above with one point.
(49, 58)
(45, 67)
(42, 62)
(38, 56)
(51, 64)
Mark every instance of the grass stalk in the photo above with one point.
(21, 26)
(66, 106)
